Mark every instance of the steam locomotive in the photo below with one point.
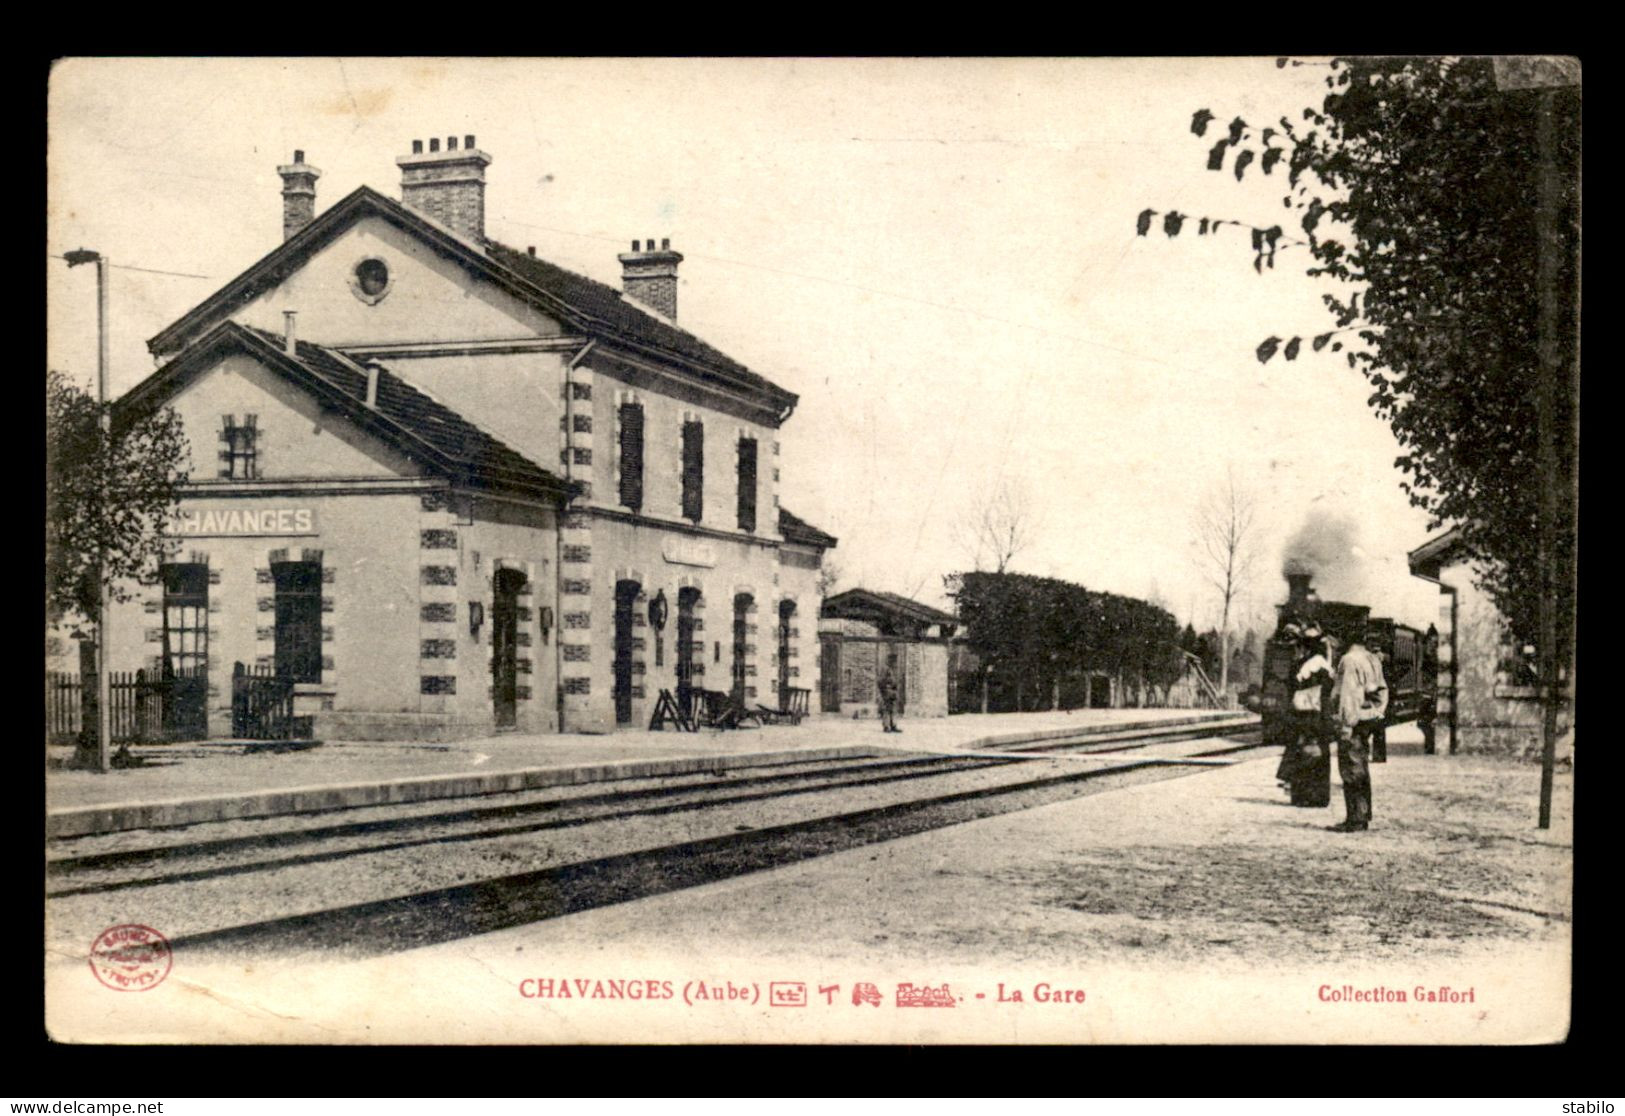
(1409, 657)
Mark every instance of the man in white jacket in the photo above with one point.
(1361, 704)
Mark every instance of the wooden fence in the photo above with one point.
(262, 705)
(135, 711)
(146, 710)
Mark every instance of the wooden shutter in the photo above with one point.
(693, 470)
(747, 484)
(298, 620)
(632, 455)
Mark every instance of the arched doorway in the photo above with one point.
(787, 613)
(509, 583)
(688, 651)
(743, 602)
(626, 596)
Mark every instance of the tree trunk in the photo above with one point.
(985, 672)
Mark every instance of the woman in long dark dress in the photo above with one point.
(1310, 776)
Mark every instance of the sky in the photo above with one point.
(938, 256)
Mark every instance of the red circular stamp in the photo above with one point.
(130, 958)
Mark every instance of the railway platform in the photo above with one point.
(179, 784)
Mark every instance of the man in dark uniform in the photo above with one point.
(1428, 713)
(888, 699)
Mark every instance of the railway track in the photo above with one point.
(359, 881)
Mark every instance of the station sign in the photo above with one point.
(688, 552)
(245, 522)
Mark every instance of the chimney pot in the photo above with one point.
(450, 189)
(649, 278)
(468, 142)
(530, 250)
(298, 195)
(665, 244)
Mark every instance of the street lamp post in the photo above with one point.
(104, 759)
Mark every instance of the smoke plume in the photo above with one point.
(1326, 546)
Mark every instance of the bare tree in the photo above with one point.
(1223, 526)
(830, 575)
(998, 523)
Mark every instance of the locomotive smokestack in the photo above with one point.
(1297, 587)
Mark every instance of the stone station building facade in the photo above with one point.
(453, 488)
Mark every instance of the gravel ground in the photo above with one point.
(1215, 871)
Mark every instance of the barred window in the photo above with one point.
(632, 455)
(186, 618)
(747, 484)
(693, 470)
(298, 620)
(240, 457)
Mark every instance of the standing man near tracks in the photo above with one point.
(1361, 703)
(888, 699)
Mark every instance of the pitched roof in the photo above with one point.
(1436, 550)
(626, 317)
(855, 601)
(410, 420)
(583, 303)
(798, 530)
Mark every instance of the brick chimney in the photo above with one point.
(448, 185)
(650, 276)
(298, 195)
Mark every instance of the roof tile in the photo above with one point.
(434, 423)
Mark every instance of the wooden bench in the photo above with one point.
(793, 705)
(719, 709)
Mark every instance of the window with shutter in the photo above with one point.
(240, 458)
(632, 455)
(747, 484)
(693, 470)
(298, 620)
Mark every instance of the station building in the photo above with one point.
(863, 632)
(1488, 697)
(452, 488)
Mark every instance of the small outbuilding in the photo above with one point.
(1489, 699)
(862, 631)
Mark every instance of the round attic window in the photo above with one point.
(370, 280)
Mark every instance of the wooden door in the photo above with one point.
(505, 647)
(829, 674)
(687, 598)
(626, 595)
